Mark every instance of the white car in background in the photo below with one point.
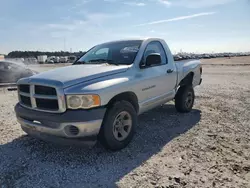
(72, 59)
(63, 59)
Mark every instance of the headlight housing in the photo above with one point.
(83, 101)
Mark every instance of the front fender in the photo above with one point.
(106, 89)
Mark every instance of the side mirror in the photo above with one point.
(153, 59)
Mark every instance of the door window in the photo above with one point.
(155, 47)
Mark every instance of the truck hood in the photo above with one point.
(75, 74)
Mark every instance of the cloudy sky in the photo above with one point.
(190, 25)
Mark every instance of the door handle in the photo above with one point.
(170, 70)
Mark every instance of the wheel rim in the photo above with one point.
(122, 126)
(189, 100)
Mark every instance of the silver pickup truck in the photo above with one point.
(100, 95)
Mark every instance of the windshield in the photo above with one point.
(118, 53)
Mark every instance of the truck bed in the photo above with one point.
(184, 67)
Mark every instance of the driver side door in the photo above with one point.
(157, 85)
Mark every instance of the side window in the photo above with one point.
(155, 47)
(102, 53)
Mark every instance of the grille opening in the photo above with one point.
(71, 130)
(47, 104)
(24, 88)
(25, 100)
(44, 90)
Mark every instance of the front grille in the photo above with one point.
(25, 100)
(40, 97)
(24, 88)
(45, 90)
(47, 104)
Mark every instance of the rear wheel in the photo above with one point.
(184, 99)
(118, 126)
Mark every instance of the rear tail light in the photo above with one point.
(201, 70)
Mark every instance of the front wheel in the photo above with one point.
(184, 99)
(118, 126)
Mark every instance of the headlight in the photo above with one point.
(83, 101)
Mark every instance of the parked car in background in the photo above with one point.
(42, 58)
(63, 59)
(72, 59)
(30, 60)
(50, 60)
(206, 56)
(21, 60)
(11, 72)
(56, 59)
(177, 57)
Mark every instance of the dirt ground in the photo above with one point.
(209, 147)
(245, 60)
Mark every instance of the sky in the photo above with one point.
(77, 25)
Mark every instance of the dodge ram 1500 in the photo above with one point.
(100, 95)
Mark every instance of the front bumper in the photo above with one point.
(71, 127)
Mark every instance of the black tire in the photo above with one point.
(106, 136)
(184, 94)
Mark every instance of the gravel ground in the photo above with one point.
(228, 61)
(208, 147)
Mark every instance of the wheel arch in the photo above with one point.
(188, 80)
(126, 96)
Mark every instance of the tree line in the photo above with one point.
(28, 54)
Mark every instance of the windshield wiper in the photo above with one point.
(99, 60)
(108, 61)
(78, 62)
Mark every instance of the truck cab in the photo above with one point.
(100, 96)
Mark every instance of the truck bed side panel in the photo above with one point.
(185, 67)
